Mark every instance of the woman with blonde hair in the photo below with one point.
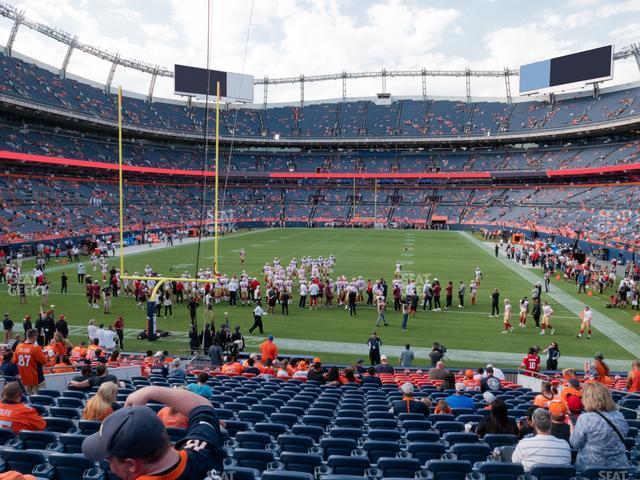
(599, 433)
(103, 403)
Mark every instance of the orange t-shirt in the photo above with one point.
(268, 350)
(78, 352)
(170, 420)
(59, 348)
(634, 376)
(603, 378)
(233, 368)
(30, 358)
(569, 392)
(542, 401)
(18, 417)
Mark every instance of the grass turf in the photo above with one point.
(370, 253)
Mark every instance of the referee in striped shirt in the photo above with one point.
(544, 448)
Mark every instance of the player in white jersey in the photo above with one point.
(473, 291)
(506, 319)
(585, 315)
(524, 311)
(396, 273)
(103, 268)
(547, 311)
(243, 254)
(94, 261)
(478, 275)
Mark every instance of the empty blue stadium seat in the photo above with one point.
(74, 394)
(284, 418)
(234, 426)
(6, 435)
(30, 440)
(71, 443)
(285, 475)
(499, 470)
(419, 425)
(49, 392)
(313, 431)
(453, 438)
(241, 473)
(382, 423)
(380, 448)
(381, 416)
(253, 440)
(316, 420)
(266, 409)
(87, 427)
(345, 432)
(65, 412)
(251, 417)
(441, 417)
(295, 443)
(70, 402)
(553, 472)
(23, 461)
(258, 459)
(42, 400)
(411, 416)
(447, 426)
(448, 469)
(422, 436)
(500, 440)
(383, 434)
(225, 414)
(348, 465)
(273, 429)
(398, 467)
(73, 467)
(425, 451)
(337, 446)
(349, 422)
(300, 462)
(473, 452)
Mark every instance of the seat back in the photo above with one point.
(553, 472)
(300, 462)
(448, 469)
(284, 475)
(500, 440)
(22, 461)
(71, 443)
(295, 443)
(37, 440)
(253, 440)
(380, 448)
(473, 452)
(249, 458)
(453, 438)
(348, 465)
(70, 467)
(398, 467)
(500, 470)
(337, 446)
(425, 451)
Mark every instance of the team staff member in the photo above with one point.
(30, 358)
(135, 442)
(16, 415)
(258, 312)
(495, 298)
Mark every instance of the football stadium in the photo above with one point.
(411, 271)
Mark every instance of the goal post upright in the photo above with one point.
(215, 213)
(120, 189)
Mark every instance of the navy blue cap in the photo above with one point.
(130, 432)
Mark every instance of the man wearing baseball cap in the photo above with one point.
(135, 442)
(408, 404)
(559, 427)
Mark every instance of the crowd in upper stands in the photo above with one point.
(29, 82)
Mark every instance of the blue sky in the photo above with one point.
(292, 37)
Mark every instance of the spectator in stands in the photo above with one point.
(201, 387)
(316, 374)
(268, 349)
(251, 367)
(177, 371)
(442, 407)
(544, 448)
(85, 374)
(101, 377)
(30, 359)
(159, 368)
(572, 388)
(599, 432)
(63, 366)
(383, 366)
(102, 404)
(135, 442)
(171, 418)
(7, 324)
(525, 424)
(438, 372)
(14, 414)
(499, 374)
(349, 376)
(489, 382)
(460, 399)
(547, 395)
(215, 355)
(333, 377)
(498, 421)
(559, 427)
(232, 367)
(408, 404)
(600, 370)
(8, 368)
(633, 378)
(406, 357)
(371, 378)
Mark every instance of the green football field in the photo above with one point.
(425, 255)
